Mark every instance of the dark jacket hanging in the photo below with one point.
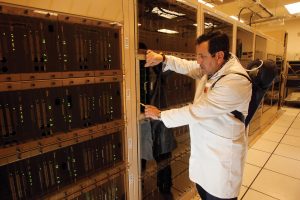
(163, 139)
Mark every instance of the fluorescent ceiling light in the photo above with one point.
(115, 23)
(293, 8)
(210, 5)
(45, 12)
(209, 25)
(167, 31)
(201, 1)
(236, 18)
(166, 13)
(205, 3)
(181, 1)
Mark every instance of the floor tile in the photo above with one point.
(256, 157)
(250, 172)
(275, 137)
(265, 145)
(277, 185)
(291, 140)
(255, 195)
(288, 116)
(273, 131)
(283, 165)
(288, 151)
(296, 124)
(297, 119)
(293, 131)
(290, 110)
(277, 129)
(242, 192)
(283, 123)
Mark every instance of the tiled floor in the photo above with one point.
(272, 169)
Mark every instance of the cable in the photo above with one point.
(256, 68)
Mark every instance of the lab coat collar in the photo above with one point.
(225, 68)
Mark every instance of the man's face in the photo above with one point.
(209, 63)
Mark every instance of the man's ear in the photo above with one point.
(220, 56)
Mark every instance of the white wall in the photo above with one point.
(247, 39)
(293, 30)
(275, 47)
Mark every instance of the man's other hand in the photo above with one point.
(152, 112)
(153, 58)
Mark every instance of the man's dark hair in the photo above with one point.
(217, 41)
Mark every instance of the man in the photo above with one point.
(218, 138)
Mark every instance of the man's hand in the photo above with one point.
(153, 58)
(152, 112)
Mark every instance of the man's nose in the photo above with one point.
(199, 61)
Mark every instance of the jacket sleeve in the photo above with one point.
(228, 95)
(182, 66)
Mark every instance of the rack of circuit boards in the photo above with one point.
(164, 152)
(61, 109)
(176, 91)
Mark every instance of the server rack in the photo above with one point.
(175, 91)
(61, 107)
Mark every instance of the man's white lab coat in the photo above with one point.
(218, 139)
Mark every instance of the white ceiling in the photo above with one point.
(255, 8)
